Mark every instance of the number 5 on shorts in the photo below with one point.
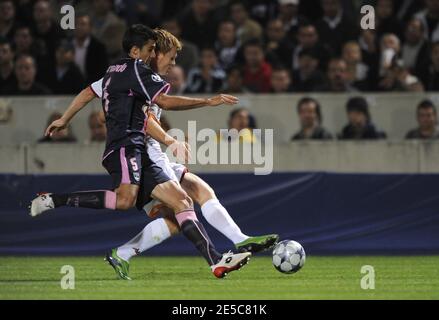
(134, 165)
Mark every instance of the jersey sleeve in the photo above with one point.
(96, 87)
(150, 84)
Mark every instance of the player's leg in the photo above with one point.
(153, 234)
(220, 219)
(173, 196)
(123, 165)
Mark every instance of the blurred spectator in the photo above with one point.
(415, 50)
(430, 20)
(308, 38)
(335, 28)
(310, 117)
(308, 76)
(26, 44)
(177, 79)
(208, 77)
(257, 72)
(24, 11)
(107, 27)
(7, 19)
(246, 28)
(239, 119)
(399, 78)
(263, 10)
(63, 135)
(386, 21)
(426, 115)
(277, 46)
(7, 75)
(390, 48)
(289, 15)
(357, 71)
(234, 82)
(25, 72)
(281, 80)
(360, 126)
(90, 54)
(198, 25)
(227, 45)
(45, 28)
(65, 77)
(337, 75)
(430, 73)
(188, 56)
(98, 129)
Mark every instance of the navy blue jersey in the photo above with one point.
(127, 88)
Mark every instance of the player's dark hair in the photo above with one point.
(426, 104)
(307, 100)
(137, 36)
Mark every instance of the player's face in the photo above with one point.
(146, 53)
(165, 62)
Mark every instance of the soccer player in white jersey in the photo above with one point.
(166, 225)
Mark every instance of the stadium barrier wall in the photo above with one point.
(328, 213)
(392, 112)
(335, 156)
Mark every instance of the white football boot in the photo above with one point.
(230, 262)
(41, 204)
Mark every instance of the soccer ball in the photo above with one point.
(288, 256)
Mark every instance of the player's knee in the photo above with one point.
(183, 204)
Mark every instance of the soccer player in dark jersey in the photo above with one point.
(128, 85)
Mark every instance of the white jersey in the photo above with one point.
(175, 171)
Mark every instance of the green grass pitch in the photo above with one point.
(413, 277)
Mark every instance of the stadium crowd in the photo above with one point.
(259, 46)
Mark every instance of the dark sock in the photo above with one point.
(195, 232)
(87, 199)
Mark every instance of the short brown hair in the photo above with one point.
(166, 41)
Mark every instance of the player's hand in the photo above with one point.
(55, 126)
(222, 99)
(181, 150)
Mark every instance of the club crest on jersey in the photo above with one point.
(136, 176)
(156, 78)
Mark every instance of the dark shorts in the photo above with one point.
(131, 165)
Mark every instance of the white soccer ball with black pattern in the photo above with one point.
(288, 256)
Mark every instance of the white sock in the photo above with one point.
(154, 233)
(219, 218)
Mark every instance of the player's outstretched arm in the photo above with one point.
(80, 101)
(181, 150)
(177, 103)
